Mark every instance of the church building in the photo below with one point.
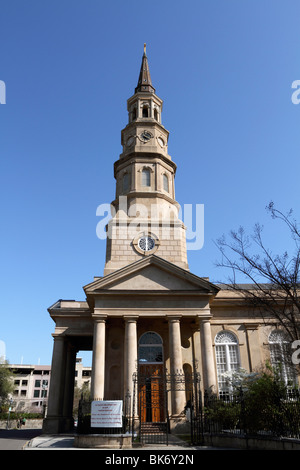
(149, 316)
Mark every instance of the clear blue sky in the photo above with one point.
(224, 69)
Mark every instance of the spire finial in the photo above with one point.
(144, 82)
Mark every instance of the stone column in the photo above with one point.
(208, 363)
(133, 178)
(177, 395)
(69, 388)
(130, 353)
(53, 423)
(98, 368)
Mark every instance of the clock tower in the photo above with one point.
(144, 213)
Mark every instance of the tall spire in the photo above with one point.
(144, 82)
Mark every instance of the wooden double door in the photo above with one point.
(152, 393)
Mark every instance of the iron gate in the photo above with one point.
(152, 391)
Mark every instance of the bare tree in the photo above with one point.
(273, 280)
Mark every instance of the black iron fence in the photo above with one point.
(238, 415)
(208, 414)
(152, 397)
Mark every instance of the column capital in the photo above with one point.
(132, 318)
(173, 318)
(205, 315)
(204, 318)
(98, 316)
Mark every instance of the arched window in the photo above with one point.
(165, 182)
(280, 354)
(146, 177)
(227, 358)
(125, 185)
(145, 111)
(134, 114)
(150, 348)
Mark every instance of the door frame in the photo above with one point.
(152, 393)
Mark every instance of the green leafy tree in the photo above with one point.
(262, 400)
(6, 385)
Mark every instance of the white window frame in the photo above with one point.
(279, 346)
(226, 340)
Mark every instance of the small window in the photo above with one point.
(134, 114)
(146, 177)
(145, 111)
(165, 183)
(125, 182)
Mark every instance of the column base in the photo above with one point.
(57, 425)
(179, 424)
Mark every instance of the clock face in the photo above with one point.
(145, 136)
(160, 141)
(146, 243)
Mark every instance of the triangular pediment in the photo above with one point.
(151, 274)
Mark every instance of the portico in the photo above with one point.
(118, 311)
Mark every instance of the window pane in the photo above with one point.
(150, 354)
(233, 357)
(150, 348)
(125, 182)
(150, 338)
(166, 183)
(280, 354)
(225, 337)
(221, 355)
(146, 177)
(221, 365)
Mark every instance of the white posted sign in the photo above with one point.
(106, 414)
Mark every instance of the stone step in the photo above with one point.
(153, 428)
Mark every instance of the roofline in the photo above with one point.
(147, 261)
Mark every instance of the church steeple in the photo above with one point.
(145, 219)
(144, 82)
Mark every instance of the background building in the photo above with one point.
(31, 385)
